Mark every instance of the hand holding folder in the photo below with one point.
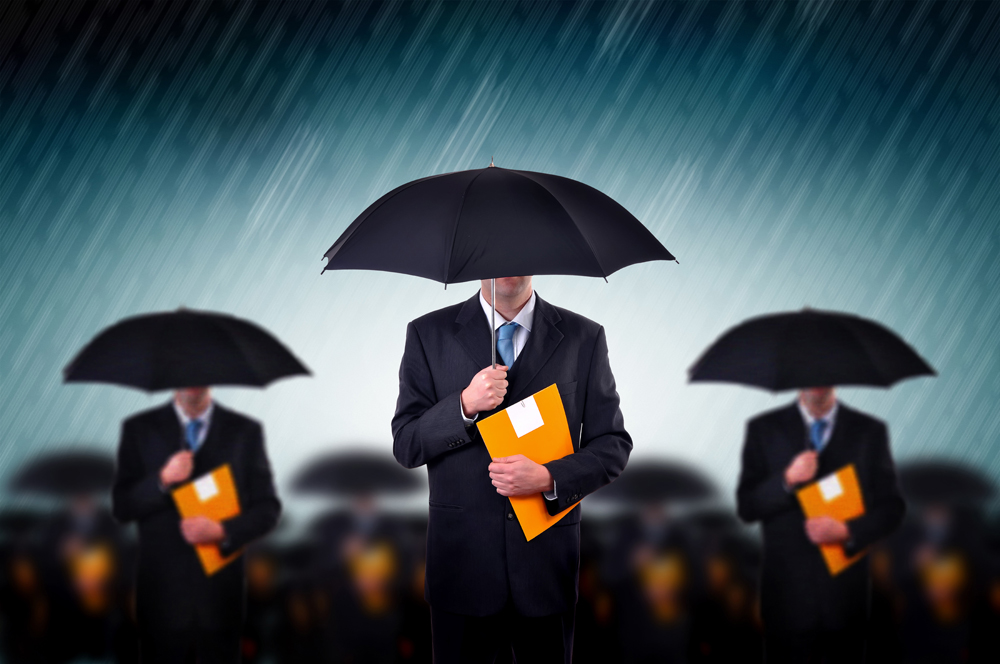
(837, 496)
(535, 427)
(212, 496)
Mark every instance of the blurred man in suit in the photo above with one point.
(488, 587)
(183, 614)
(809, 615)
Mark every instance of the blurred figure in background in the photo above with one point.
(654, 581)
(653, 571)
(79, 553)
(24, 601)
(726, 624)
(943, 566)
(364, 556)
(809, 615)
(183, 614)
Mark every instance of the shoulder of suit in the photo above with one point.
(150, 414)
(569, 318)
(859, 417)
(233, 417)
(774, 415)
(443, 316)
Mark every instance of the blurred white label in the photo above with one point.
(524, 416)
(830, 488)
(205, 488)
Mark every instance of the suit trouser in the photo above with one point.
(845, 646)
(457, 638)
(190, 646)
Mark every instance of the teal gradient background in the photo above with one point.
(834, 155)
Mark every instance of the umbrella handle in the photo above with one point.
(493, 317)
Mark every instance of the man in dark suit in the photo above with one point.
(809, 615)
(488, 587)
(184, 614)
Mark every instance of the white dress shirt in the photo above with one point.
(830, 417)
(205, 418)
(524, 318)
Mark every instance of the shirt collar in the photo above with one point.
(829, 418)
(525, 317)
(205, 418)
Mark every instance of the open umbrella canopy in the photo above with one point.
(937, 482)
(647, 482)
(809, 348)
(180, 349)
(494, 222)
(66, 474)
(350, 474)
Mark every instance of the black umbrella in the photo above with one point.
(183, 348)
(355, 474)
(658, 482)
(940, 482)
(809, 348)
(66, 474)
(494, 222)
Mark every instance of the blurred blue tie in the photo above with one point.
(193, 432)
(505, 343)
(818, 429)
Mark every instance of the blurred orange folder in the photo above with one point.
(212, 495)
(535, 427)
(838, 496)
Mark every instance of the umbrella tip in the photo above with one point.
(491, 162)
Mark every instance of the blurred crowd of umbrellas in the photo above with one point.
(668, 572)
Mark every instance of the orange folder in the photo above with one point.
(838, 496)
(214, 496)
(535, 427)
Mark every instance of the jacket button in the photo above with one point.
(510, 516)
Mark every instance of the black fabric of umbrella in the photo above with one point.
(657, 482)
(809, 348)
(351, 474)
(936, 482)
(494, 222)
(66, 474)
(180, 349)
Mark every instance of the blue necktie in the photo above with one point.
(817, 431)
(193, 431)
(505, 343)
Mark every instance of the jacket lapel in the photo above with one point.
(542, 342)
(168, 430)
(473, 332)
(210, 450)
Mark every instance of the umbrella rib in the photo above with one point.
(357, 223)
(454, 229)
(604, 273)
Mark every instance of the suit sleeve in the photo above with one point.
(884, 502)
(761, 492)
(259, 500)
(136, 493)
(604, 444)
(423, 427)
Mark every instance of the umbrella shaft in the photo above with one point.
(493, 318)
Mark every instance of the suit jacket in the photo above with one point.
(797, 591)
(477, 555)
(172, 590)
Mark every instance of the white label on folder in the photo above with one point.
(205, 488)
(830, 488)
(524, 416)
